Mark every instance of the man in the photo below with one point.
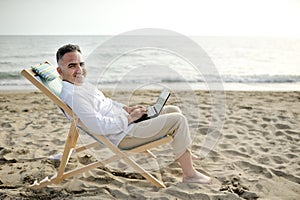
(116, 121)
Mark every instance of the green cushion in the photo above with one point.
(46, 71)
(48, 75)
(54, 85)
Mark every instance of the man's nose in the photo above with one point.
(79, 69)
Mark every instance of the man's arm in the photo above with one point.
(84, 107)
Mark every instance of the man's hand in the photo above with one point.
(135, 113)
(130, 109)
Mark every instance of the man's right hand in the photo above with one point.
(136, 113)
(130, 109)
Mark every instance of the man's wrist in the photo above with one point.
(125, 108)
(130, 120)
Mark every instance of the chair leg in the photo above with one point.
(132, 163)
(69, 146)
(88, 146)
(149, 153)
(143, 172)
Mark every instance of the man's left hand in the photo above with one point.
(130, 109)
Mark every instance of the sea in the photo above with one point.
(236, 63)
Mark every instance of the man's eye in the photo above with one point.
(82, 64)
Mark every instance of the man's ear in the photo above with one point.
(58, 69)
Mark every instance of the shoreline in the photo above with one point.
(234, 87)
(109, 90)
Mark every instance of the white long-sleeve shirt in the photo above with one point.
(97, 112)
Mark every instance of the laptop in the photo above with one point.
(154, 110)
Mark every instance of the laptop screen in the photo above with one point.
(162, 99)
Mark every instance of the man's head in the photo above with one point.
(71, 65)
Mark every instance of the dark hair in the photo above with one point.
(66, 49)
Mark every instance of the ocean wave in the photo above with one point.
(5, 63)
(10, 75)
(7, 77)
(212, 78)
(266, 78)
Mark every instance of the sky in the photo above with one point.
(189, 17)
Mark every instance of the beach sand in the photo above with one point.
(256, 157)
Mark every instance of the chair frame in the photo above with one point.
(71, 145)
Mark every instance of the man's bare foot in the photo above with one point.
(197, 178)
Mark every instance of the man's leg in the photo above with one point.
(190, 174)
(173, 122)
(174, 109)
(170, 109)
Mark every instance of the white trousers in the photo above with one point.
(170, 121)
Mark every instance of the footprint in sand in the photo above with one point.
(253, 168)
(235, 153)
(282, 126)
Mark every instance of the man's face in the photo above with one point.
(72, 68)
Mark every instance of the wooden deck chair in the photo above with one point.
(52, 88)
